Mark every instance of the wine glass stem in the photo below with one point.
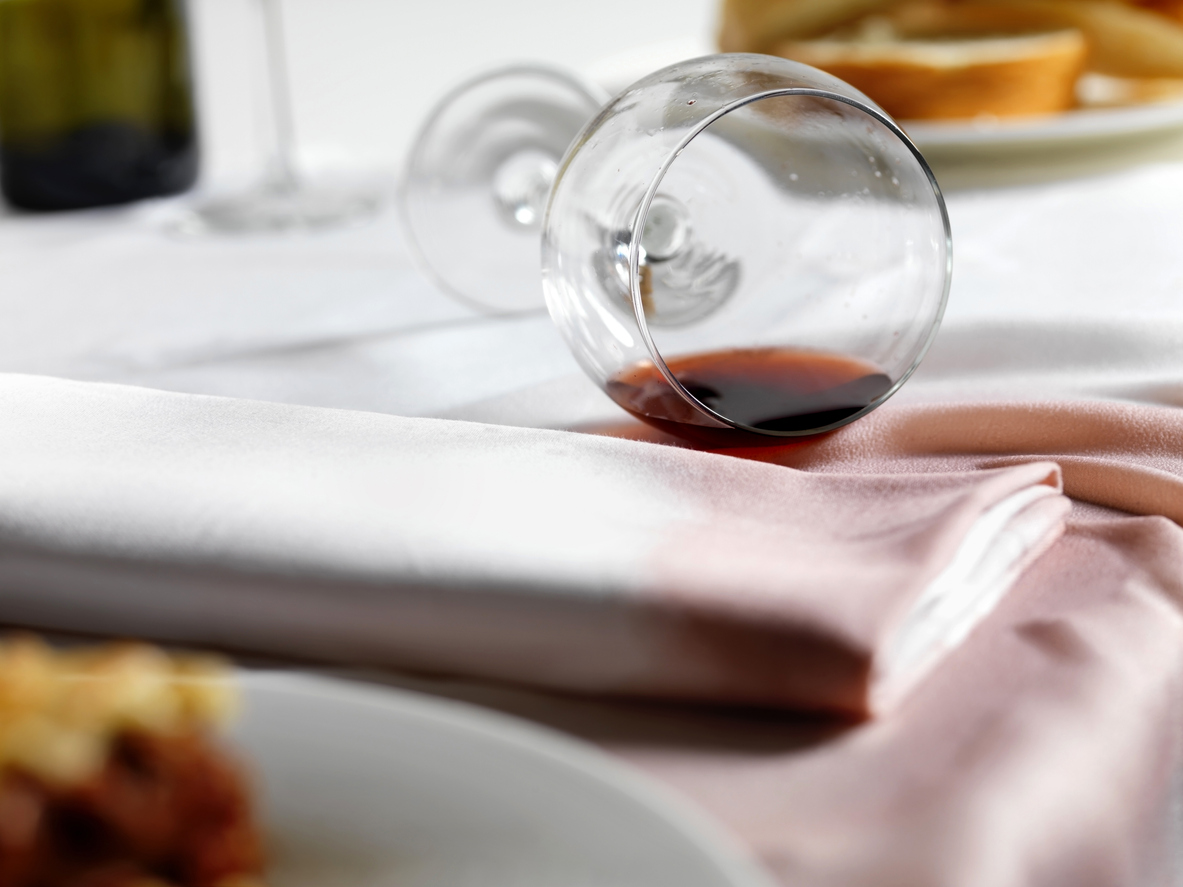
(282, 172)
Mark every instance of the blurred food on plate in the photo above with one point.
(959, 59)
(110, 775)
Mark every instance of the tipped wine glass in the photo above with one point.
(738, 248)
(282, 201)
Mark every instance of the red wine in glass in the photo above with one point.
(770, 389)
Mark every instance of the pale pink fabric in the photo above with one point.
(1119, 455)
(579, 563)
(791, 595)
(1046, 751)
(1040, 753)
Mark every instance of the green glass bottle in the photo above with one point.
(96, 102)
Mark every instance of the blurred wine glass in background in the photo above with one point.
(363, 74)
(478, 176)
(283, 201)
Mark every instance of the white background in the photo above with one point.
(365, 72)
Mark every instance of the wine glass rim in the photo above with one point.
(634, 258)
(587, 89)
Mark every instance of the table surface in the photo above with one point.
(1068, 271)
(1063, 285)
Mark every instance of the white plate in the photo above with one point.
(1069, 127)
(364, 786)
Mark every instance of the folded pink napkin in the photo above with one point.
(556, 559)
(1046, 751)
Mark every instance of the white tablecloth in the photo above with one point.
(1068, 265)
(1062, 286)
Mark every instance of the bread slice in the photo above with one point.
(1124, 40)
(956, 76)
(1103, 91)
(1172, 9)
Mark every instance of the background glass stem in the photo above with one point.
(282, 163)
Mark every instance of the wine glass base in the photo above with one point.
(279, 210)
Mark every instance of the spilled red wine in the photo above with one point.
(772, 389)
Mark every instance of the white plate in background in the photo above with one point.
(367, 786)
(1071, 127)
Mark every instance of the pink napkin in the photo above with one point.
(1119, 455)
(568, 561)
(1045, 751)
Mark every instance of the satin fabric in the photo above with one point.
(1045, 751)
(572, 561)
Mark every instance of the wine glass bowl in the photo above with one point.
(478, 178)
(740, 248)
